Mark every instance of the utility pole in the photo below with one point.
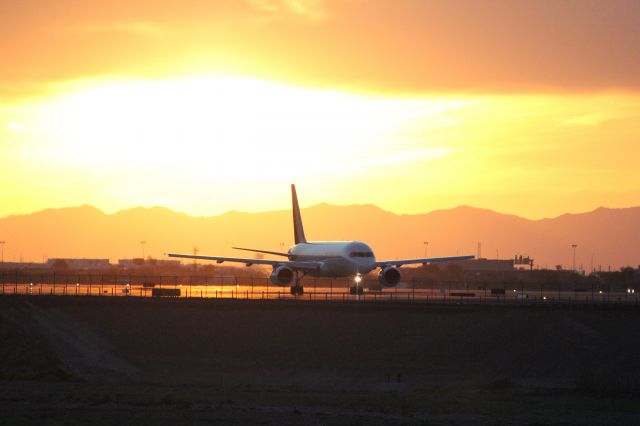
(195, 263)
(426, 248)
(142, 243)
(2, 248)
(573, 246)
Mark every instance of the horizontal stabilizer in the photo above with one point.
(275, 253)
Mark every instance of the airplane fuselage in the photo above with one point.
(338, 258)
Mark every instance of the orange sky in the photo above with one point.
(523, 107)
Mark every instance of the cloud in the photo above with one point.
(15, 126)
(590, 119)
(383, 163)
(408, 46)
(138, 28)
(408, 156)
(311, 10)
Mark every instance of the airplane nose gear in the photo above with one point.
(357, 288)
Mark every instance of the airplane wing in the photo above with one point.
(383, 263)
(293, 264)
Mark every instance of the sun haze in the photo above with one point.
(530, 108)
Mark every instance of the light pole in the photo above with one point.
(195, 263)
(142, 243)
(2, 251)
(573, 246)
(426, 248)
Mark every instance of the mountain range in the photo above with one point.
(605, 238)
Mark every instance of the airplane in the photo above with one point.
(323, 259)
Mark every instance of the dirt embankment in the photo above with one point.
(255, 345)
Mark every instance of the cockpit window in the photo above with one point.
(361, 254)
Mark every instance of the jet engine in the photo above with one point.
(389, 276)
(282, 275)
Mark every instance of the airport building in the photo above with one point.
(23, 265)
(69, 263)
(141, 263)
(481, 265)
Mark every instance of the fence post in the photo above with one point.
(540, 290)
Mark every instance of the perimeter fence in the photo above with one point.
(316, 289)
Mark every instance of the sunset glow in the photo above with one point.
(214, 124)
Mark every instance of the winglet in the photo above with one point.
(298, 230)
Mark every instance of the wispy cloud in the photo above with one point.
(14, 126)
(407, 157)
(312, 10)
(382, 164)
(590, 119)
(138, 28)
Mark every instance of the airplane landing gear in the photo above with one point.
(357, 289)
(297, 290)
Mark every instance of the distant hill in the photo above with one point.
(612, 236)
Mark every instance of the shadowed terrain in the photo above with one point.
(396, 355)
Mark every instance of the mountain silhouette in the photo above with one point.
(608, 236)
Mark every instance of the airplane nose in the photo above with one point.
(368, 265)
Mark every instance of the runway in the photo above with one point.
(314, 293)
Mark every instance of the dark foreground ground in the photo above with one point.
(66, 360)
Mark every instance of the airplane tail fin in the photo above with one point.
(298, 230)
